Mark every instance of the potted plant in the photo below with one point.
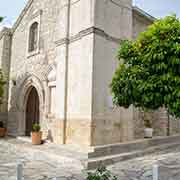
(2, 129)
(148, 131)
(36, 134)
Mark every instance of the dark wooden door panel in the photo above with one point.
(32, 110)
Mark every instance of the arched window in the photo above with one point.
(33, 37)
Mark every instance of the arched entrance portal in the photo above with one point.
(32, 110)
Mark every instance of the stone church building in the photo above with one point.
(58, 60)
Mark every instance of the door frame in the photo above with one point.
(24, 90)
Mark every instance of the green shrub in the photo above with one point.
(36, 127)
(101, 173)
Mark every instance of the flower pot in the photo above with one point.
(148, 132)
(2, 132)
(36, 138)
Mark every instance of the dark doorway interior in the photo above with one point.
(32, 110)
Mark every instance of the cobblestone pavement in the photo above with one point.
(136, 169)
(141, 168)
(35, 170)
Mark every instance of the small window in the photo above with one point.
(33, 37)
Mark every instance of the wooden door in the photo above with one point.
(32, 110)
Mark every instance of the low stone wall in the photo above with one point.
(159, 121)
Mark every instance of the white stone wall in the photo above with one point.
(81, 16)
(114, 19)
(79, 72)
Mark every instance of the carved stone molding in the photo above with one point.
(83, 33)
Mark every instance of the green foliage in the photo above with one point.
(150, 75)
(36, 127)
(101, 173)
(1, 19)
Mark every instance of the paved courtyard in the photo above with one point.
(136, 169)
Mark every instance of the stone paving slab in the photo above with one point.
(135, 169)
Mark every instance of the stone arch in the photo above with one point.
(23, 93)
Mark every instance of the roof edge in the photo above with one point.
(28, 4)
(144, 14)
(20, 17)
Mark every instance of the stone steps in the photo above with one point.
(111, 154)
(118, 148)
(112, 159)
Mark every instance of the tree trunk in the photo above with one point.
(168, 124)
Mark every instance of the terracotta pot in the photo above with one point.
(2, 132)
(36, 138)
(148, 132)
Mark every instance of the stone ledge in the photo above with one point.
(110, 154)
(84, 33)
(132, 146)
(112, 159)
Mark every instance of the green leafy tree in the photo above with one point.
(148, 75)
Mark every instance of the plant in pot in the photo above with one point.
(148, 131)
(2, 129)
(36, 134)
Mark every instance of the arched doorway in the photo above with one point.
(32, 110)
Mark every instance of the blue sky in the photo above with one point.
(158, 8)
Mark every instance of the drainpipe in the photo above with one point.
(66, 70)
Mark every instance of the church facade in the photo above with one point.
(58, 59)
